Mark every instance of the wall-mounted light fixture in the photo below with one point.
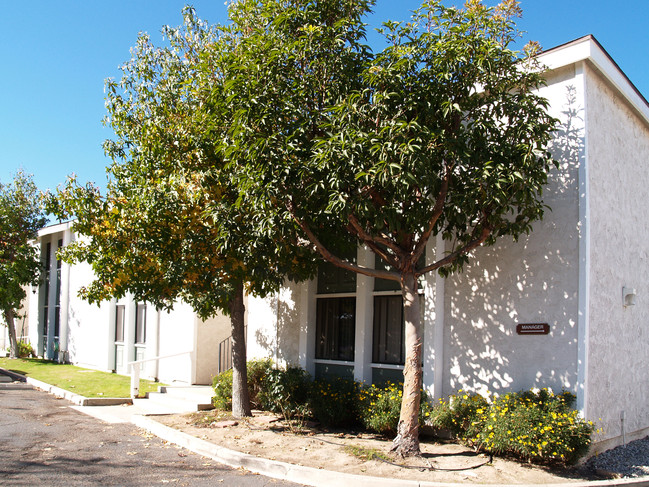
(628, 296)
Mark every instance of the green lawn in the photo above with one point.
(85, 382)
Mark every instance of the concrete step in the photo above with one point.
(178, 402)
(160, 406)
(197, 393)
(170, 400)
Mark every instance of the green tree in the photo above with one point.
(172, 224)
(442, 132)
(21, 216)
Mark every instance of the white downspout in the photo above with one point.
(583, 319)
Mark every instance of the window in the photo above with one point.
(388, 336)
(46, 286)
(57, 313)
(119, 323)
(140, 324)
(388, 285)
(388, 345)
(335, 328)
(334, 279)
(335, 313)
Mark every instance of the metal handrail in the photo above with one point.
(135, 369)
(225, 352)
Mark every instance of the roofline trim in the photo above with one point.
(55, 228)
(587, 48)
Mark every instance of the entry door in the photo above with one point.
(120, 363)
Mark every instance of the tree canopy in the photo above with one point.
(244, 150)
(172, 225)
(442, 132)
(21, 216)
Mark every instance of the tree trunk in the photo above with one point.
(9, 318)
(406, 442)
(240, 396)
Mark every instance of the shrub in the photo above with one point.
(222, 385)
(458, 414)
(286, 392)
(257, 370)
(536, 426)
(380, 405)
(25, 350)
(334, 402)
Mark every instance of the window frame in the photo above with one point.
(140, 324)
(336, 350)
(327, 292)
(120, 312)
(421, 290)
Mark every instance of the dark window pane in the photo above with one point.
(57, 310)
(119, 323)
(388, 285)
(58, 261)
(388, 345)
(335, 328)
(57, 322)
(140, 324)
(48, 256)
(333, 279)
(46, 280)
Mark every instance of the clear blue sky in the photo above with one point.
(56, 55)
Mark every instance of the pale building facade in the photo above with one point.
(111, 335)
(566, 307)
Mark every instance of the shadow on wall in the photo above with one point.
(82, 335)
(534, 280)
(73, 325)
(281, 338)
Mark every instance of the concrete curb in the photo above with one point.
(263, 466)
(15, 386)
(323, 478)
(13, 375)
(70, 396)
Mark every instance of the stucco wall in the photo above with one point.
(177, 333)
(269, 336)
(618, 153)
(534, 280)
(89, 324)
(209, 334)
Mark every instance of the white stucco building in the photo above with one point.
(110, 335)
(581, 278)
(580, 281)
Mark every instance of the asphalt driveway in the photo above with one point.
(45, 442)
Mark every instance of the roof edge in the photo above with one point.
(588, 48)
(55, 228)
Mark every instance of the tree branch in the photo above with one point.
(437, 212)
(484, 234)
(375, 242)
(329, 257)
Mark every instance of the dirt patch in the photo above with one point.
(267, 436)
